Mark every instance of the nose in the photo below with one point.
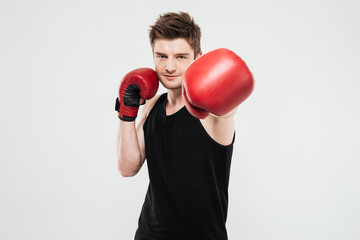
(170, 65)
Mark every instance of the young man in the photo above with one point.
(188, 158)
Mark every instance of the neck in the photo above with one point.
(174, 97)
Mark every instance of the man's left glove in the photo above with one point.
(216, 82)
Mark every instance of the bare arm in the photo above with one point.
(128, 149)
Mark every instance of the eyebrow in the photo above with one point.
(177, 54)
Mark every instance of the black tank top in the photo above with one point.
(187, 197)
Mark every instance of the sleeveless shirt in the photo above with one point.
(187, 196)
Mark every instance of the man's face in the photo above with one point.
(171, 58)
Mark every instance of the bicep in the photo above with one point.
(140, 132)
(139, 129)
(141, 138)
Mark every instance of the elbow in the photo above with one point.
(126, 173)
(128, 168)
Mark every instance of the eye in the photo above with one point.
(161, 56)
(181, 57)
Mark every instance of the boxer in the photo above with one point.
(186, 135)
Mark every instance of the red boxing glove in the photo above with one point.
(139, 83)
(216, 82)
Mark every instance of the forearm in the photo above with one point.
(128, 149)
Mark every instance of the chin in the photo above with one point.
(170, 85)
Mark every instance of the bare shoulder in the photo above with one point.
(145, 110)
(150, 104)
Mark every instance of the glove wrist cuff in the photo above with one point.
(126, 113)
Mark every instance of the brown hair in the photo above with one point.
(176, 25)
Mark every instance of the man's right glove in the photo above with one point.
(139, 83)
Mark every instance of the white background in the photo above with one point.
(295, 171)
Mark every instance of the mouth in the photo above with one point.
(170, 77)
